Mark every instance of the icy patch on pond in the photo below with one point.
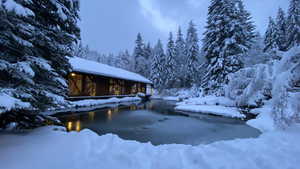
(48, 149)
(211, 109)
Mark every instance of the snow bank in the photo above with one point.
(210, 109)
(209, 100)
(91, 67)
(264, 121)
(171, 98)
(47, 149)
(87, 103)
(8, 103)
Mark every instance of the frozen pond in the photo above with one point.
(158, 123)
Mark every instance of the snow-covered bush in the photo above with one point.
(250, 86)
(276, 81)
(286, 101)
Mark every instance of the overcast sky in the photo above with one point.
(112, 25)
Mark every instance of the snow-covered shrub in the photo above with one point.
(286, 101)
(275, 81)
(249, 86)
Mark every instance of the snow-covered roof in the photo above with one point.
(92, 67)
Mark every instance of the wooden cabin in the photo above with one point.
(91, 79)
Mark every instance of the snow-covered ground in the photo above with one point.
(221, 106)
(210, 109)
(93, 104)
(45, 148)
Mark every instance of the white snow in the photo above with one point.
(11, 5)
(47, 149)
(264, 121)
(209, 100)
(211, 109)
(171, 98)
(88, 103)
(7, 103)
(91, 67)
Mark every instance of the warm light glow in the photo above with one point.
(91, 116)
(109, 114)
(69, 126)
(78, 126)
(73, 74)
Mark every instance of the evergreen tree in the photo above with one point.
(281, 30)
(293, 24)
(271, 36)
(35, 38)
(139, 56)
(226, 38)
(126, 60)
(157, 66)
(169, 67)
(246, 22)
(148, 57)
(192, 54)
(180, 59)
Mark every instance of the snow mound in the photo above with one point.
(88, 103)
(210, 109)
(39, 149)
(209, 100)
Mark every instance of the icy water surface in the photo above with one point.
(158, 123)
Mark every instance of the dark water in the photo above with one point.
(158, 123)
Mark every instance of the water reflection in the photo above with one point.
(74, 126)
(92, 115)
(158, 123)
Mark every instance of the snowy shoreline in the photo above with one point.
(92, 104)
(88, 150)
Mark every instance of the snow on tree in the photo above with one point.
(281, 23)
(139, 56)
(169, 66)
(148, 56)
(180, 59)
(192, 54)
(293, 24)
(271, 36)
(157, 68)
(285, 101)
(273, 84)
(246, 21)
(255, 54)
(37, 36)
(125, 60)
(226, 38)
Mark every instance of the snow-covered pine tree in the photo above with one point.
(226, 38)
(293, 24)
(139, 56)
(246, 21)
(125, 60)
(35, 38)
(281, 23)
(169, 67)
(271, 36)
(180, 59)
(255, 54)
(192, 54)
(157, 66)
(148, 57)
